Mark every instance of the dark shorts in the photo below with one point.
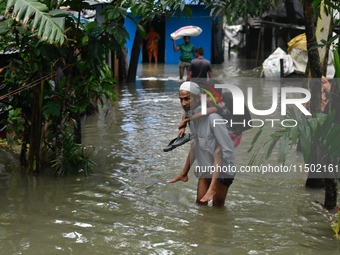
(226, 181)
(183, 64)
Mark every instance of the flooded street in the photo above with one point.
(127, 207)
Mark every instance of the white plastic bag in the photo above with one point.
(186, 31)
(271, 66)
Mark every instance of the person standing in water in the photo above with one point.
(187, 53)
(208, 137)
(152, 38)
(200, 67)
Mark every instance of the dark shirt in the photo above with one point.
(200, 67)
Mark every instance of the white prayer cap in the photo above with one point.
(192, 87)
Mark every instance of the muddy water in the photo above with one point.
(126, 206)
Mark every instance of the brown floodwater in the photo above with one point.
(127, 207)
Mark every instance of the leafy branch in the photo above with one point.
(47, 26)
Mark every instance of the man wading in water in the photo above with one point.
(207, 138)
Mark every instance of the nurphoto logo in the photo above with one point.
(238, 104)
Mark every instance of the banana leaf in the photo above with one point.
(34, 14)
(337, 64)
(283, 148)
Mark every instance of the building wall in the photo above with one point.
(200, 17)
(130, 27)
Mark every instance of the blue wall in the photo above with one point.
(200, 18)
(130, 27)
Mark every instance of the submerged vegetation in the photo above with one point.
(59, 73)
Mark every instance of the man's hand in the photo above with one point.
(181, 132)
(180, 177)
(183, 123)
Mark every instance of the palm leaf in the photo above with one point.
(294, 135)
(336, 63)
(294, 131)
(270, 148)
(44, 25)
(256, 137)
(333, 148)
(334, 132)
(320, 130)
(326, 126)
(306, 141)
(283, 148)
(253, 158)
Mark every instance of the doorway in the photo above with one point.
(159, 27)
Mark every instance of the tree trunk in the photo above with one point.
(324, 29)
(123, 65)
(313, 54)
(25, 139)
(35, 135)
(137, 44)
(314, 83)
(63, 119)
(317, 59)
(331, 191)
(314, 179)
(77, 128)
(323, 32)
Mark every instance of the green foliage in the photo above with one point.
(67, 79)
(47, 26)
(328, 137)
(51, 108)
(2, 7)
(234, 9)
(73, 159)
(148, 10)
(337, 64)
(15, 126)
(330, 7)
(333, 41)
(320, 130)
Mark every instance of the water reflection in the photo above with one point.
(126, 206)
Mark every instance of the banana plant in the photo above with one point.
(48, 25)
(61, 64)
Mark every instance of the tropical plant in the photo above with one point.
(318, 136)
(60, 73)
(320, 130)
(232, 10)
(46, 24)
(15, 126)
